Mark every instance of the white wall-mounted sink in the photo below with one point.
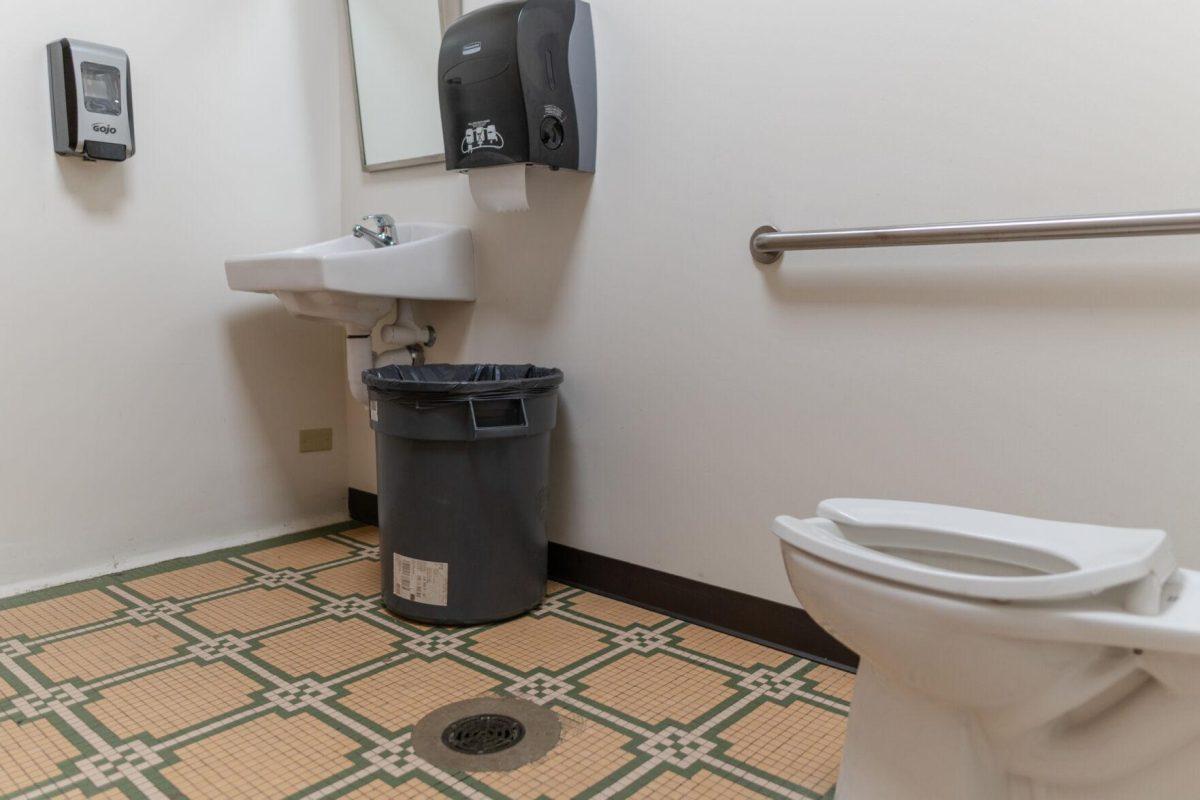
(350, 281)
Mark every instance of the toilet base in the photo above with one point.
(901, 746)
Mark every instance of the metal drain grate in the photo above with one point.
(482, 734)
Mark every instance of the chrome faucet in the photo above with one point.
(384, 237)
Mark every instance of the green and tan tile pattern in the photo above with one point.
(271, 671)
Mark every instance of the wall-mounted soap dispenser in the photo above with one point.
(518, 86)
(91, 102)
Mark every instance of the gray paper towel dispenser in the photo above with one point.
(518, 85)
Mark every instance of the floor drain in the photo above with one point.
(483, 734)
(492, 733)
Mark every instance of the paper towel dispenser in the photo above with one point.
(518, 85)
(91, 101)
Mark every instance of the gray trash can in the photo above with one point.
(463, 456)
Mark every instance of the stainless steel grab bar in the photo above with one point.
(768, 244)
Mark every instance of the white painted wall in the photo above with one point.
(704, 396)
(146, 410)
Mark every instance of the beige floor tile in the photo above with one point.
(360, 578)
(59, 614)
(553, 587)
(701, 786)
(180, 584)
(614, 611)
(250, 611)
(30, 752)
(7, 691)
(799, 742)
(76, 794)
(728, 648)
(368, 535)
(267, 757)
(530, 643)
(399, 696)
(327, 647)
(301, 555)
(656, 688)
(106, 651)
(170, 700)
(412, 789)
(836, 682)
(587, 753)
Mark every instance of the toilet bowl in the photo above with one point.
(1005, 658)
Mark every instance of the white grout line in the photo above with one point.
(368, 668)
(50, 788)
(342, 538)
(127, 596)
(214, 725)
(664, 627)
(19, 672)
(67, 634)
(595, 661)
(314, 592)
(260, 671)
(725, 713)
(204, 598)
(391, 624)
(338, 786)
(626, 780)
(178, 623)
(479, 662)
(762, 783)
(588, 708)
(250, 565)
(719, 666)
(586, 621)
(452, 781)
(349, 722)
(141, 669)
(825, 702)
(284, 626)
(139, 780)
(316, 569)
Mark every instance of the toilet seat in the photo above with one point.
(933, 547)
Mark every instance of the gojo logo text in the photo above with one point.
(100, 127)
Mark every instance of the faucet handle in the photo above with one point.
(382, 221)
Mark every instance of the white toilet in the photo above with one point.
(1005, 658)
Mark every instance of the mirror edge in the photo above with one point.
(449, 11)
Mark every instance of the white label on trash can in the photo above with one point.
(420, 581)
(374, 411)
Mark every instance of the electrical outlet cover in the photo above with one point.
(315, 440)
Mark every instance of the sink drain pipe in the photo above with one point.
(409, 341)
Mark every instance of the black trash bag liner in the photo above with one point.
(461, 382)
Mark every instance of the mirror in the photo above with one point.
(394, 45)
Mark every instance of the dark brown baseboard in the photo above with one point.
(363, 507)
(765, 621)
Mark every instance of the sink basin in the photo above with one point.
(348, 280)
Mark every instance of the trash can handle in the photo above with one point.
(484, 430)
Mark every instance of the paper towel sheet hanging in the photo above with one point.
(499, 188)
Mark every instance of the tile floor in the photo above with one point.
(271, 671)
